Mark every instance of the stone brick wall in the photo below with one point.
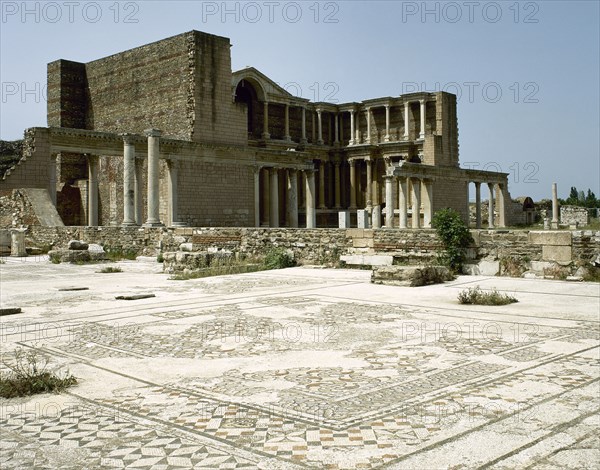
(67, 101)
(574, 215)
(33, 170)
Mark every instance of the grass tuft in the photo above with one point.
(475, 296)
(110, 269)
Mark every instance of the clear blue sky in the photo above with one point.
(527, 72)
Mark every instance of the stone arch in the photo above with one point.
(250, 92)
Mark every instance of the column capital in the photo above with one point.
(387, 105)
(318, 110)
(153, 132)
(128, 138)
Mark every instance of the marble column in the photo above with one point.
(352, 164)
(292, 198)
(92, 190)
(266, 209)
(389, 201)
(416, 203)
(423, 111)
(369, 195)
(274, 199)
(501, 207)
(406, 119)
(428, 203)
(153, 177)
(554, 221)
(128, 180)
(319, 127)
(386, 138)
(52, 182)
(257, 196)
(322, 184)
(173, 168)
(303, 140)
(357, 139)
(138, 197)
(477, 204)
(311, 214)
(403, 201)
(336, 130)
(337, 184)
(491, 206)
(265, 134)
(287, 136)
(351, 142)
(368, 115)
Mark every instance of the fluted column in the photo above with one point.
(369, 198)
(319, 127)
(406, 126)
(357, 139)
(337, 184)
(274, 199)
(403, 201)
(501, 207)
(265, 134)
(337, 130)
(386, 138)
(389, 201)
(303, 140)
(311, 213)
(352, 164)
(422, 131)
(257, 196)
(491, 206)
(477, 204)
(287, 123)
(138, 179)
(368, 115)
(416, 203)
(128, 180)
(321, 184)
(92, 190)
(554, 220)
(153, 177)
(351, 142)
(292, 198)
(428, 203)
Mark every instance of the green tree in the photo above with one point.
(455, 237)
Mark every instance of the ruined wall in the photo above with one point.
(574, 215)
(15, 209)
(67, 96)
(33, 169)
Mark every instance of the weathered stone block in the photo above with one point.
(368, 260)
(556, 253)
(550, 238)
(344, 219)
(362, 218)
(483, 268)
(411, 276)
(77, 245)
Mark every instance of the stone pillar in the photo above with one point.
(92, 190)
(338, 185)
(313, 128)
(368, 114)
(52, 182)
(274, 199)
(402, 201)
(341, 119)
(352, 164)
(389, 201)
(153, 176)
(351, 142)
(387, 123)
(369, 198)
(287, 123)
(17, 243)
(554, 222)
(266, 196)
(292, 198)
(337, 130)
(491, 206)
(322, 184)
(477, 205)
(257, 196)
(265, 133)
(128, 180)
(501, 207)
(173, 167)
(311, 214)
(303, 139)
(138, 178)
(422, 131)
(406, 126)
(428, 203)
(416, 203)
(357, 136)
(319, 127)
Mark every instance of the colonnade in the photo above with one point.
(499, 205)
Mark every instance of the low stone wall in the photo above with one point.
(494, 252)
(571, 215)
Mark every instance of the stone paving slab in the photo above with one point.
(301, 368)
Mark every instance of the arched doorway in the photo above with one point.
(246, 94)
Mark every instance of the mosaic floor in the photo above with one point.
(303, 368)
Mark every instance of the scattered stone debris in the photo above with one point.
(78, 245)
(9, 311)
(412, 276)
(135, 297)
(69, 289)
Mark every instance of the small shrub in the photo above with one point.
(278, 258)
(455, 237)
(111, 269)
(54, 258)
(592, 274)
(475, 296)
(117, 253)
(160, 258)
(30, 375)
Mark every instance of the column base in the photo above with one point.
(386, 138)
(304, 141)
(265, 135)
(179, 224)
(320, 142)
(129, 224)
(287, 138)
(153, 224)
(421, 136)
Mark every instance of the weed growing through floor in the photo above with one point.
(54, 258)
(117, 253)
(111, 269)
(278, 258)
(455, 237)
(30, 374)
(475, 296)
(160, 258)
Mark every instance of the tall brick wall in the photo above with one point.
(67, 95)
